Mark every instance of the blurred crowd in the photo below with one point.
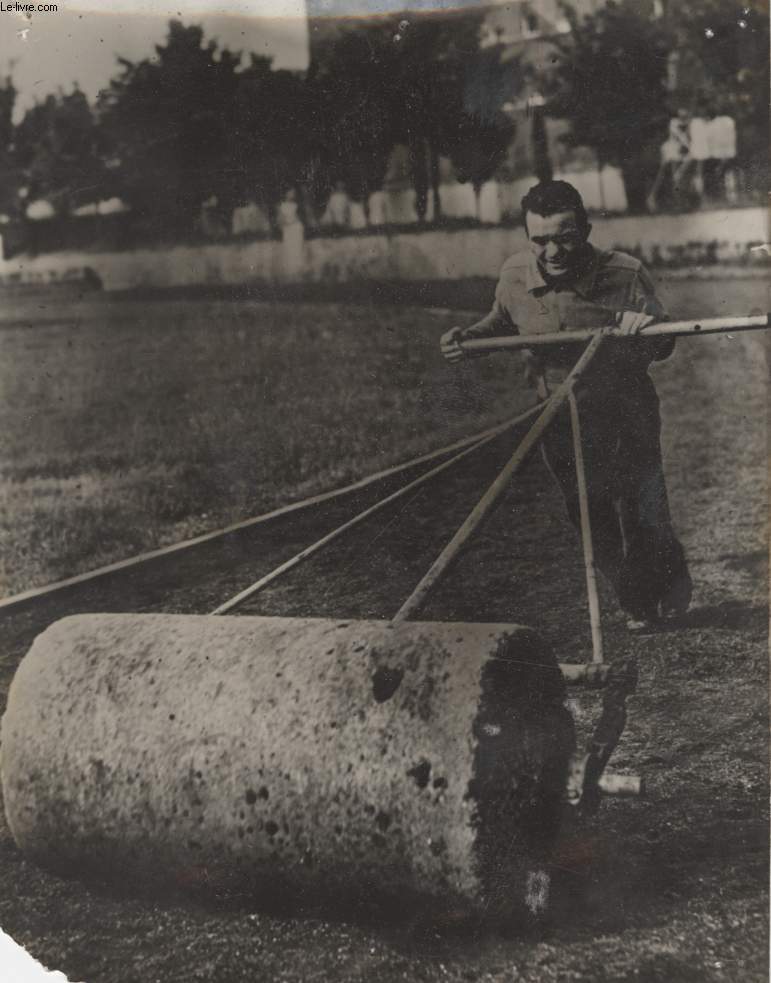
(698, 161)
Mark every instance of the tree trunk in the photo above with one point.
(419, 176)
(636, 184)
(434, 165)
(541, 160)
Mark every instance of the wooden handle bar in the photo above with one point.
(710, 325)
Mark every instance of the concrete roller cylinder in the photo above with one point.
(293, 758)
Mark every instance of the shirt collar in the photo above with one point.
(536, 284)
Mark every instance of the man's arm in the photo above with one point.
(645, 308)
(492, 325)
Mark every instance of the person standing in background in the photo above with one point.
(292, 237)
(698, 132)
(338, 212)
(721, 138)
(678, 154)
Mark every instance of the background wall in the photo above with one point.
(727, 236)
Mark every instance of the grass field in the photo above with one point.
(126, 424)
(668, 888)
(130, 424)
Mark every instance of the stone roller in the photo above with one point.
(297, 758)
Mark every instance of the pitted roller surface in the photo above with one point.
(303, 756)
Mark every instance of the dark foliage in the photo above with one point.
(57, 151)
(394, 82)
(609, 81)
(723, 65)
(193, 124)
(167, 122)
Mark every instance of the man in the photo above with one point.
(338, 212)
(563, 283)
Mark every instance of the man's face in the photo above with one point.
(558, 241)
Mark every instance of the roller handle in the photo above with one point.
(710, 325)
(493, 494)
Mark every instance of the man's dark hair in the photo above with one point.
(550, 197)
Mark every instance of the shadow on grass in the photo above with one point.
(731, 615)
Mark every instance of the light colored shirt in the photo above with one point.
(527, 303)
(721, 138)
(338, 209)
(671, 151)
(699, 134)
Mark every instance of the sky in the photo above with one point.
(80, 42)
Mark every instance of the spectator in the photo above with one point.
(212, 224)
(679, 135)
(249, 218)
(376, 205)
(674, 164)
(721, 137)
(698, 132)
(358, 217)
(338, 213)
(292, 236)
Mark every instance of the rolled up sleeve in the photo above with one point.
(494, 324)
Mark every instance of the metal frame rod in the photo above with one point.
(586, 533)
(496, 489)
(361, 516)
(705, 326)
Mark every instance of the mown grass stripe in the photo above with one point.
(207, 537)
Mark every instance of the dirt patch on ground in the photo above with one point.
(669, 888)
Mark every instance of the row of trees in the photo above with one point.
(170, 132)
(192, 123)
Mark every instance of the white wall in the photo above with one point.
(726, 235)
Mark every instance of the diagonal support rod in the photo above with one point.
(586, 533)
(496, 489)
(361, 516)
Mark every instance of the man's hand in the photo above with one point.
(632, 322)
(449, 344)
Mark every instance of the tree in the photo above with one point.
(56, 149)
(269, 139)
(11, 178)
(610, 82)
(433, 58)
(393, 82)
(480, 148)
(722, 59)
(353, 112)
(168, 120)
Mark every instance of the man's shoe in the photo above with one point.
(678, 598)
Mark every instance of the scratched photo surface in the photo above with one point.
(383, 502)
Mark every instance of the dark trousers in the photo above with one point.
(634, 544)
